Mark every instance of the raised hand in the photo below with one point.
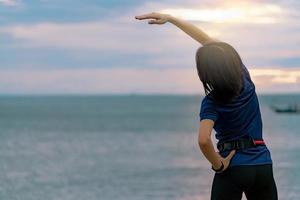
(156, 18)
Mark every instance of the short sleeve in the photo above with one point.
(208, 110)
(247, 76)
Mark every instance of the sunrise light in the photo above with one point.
(277, 75)
(241, 13)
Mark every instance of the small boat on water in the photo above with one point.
(291, 108)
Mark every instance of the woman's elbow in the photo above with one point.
(203, 141)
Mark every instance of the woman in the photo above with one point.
(231, 108)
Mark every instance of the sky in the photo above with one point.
(97, 47)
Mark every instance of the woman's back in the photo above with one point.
(238, 119)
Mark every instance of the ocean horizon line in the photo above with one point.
(131, 94)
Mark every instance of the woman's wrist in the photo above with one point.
(218, 168)
(170, 18)
(217, 162)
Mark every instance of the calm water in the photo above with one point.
(123, 147)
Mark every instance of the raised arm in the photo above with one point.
(188, 28)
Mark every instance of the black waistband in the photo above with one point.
(239, 144)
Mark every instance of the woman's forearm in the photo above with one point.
(190, 29)
(208, 151)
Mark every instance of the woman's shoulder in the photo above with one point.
(246, 76)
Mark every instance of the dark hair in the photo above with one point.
(219, 68)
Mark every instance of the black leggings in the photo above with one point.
(256, 181)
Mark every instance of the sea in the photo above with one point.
(124, 147)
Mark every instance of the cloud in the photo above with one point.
(120, 80)
(275, 79)
(258, 43)
(277, 75)
(150, 51)
(98, 81)
(9, 2)
(118, 36)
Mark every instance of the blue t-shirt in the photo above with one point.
(241, 117)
